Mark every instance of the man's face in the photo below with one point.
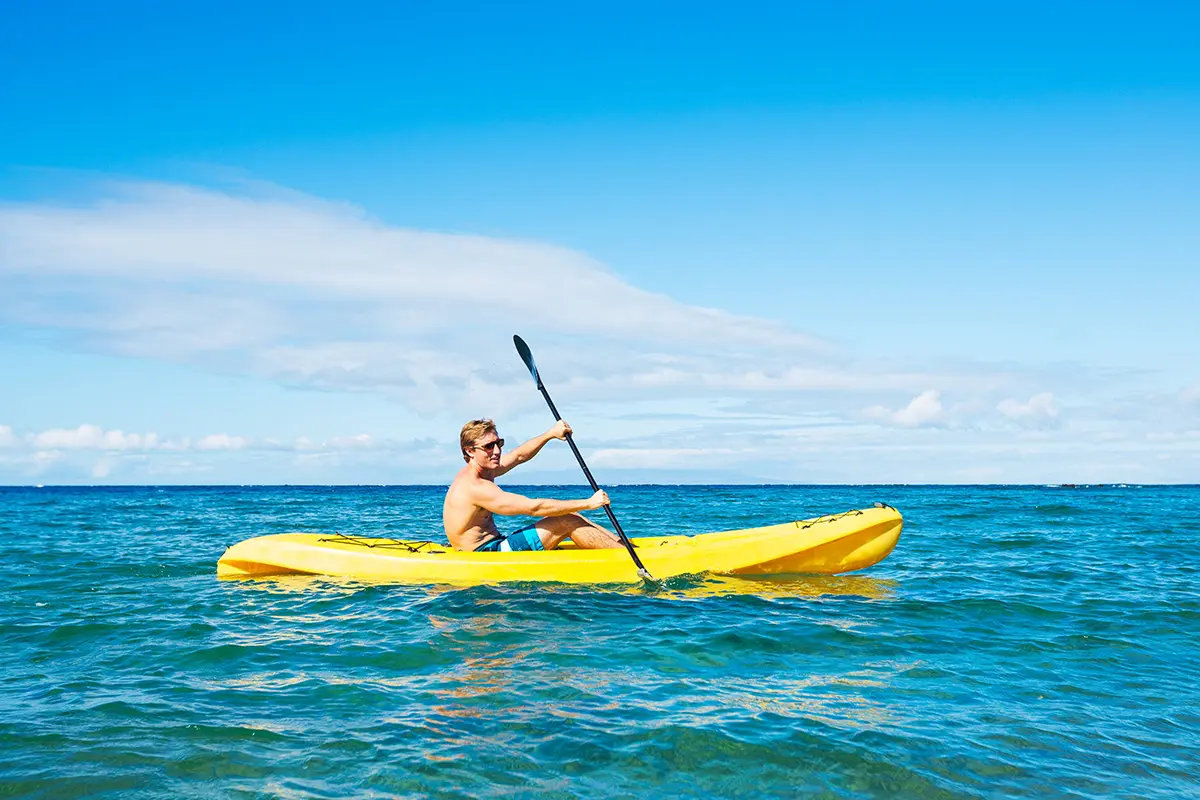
(486, 451)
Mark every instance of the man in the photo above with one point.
(474, 498)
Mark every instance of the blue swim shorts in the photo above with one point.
(525, 538)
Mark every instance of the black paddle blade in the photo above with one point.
(527, 356)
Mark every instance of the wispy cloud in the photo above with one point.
(88, 437)
(321, 294)
(286, 287)
(1039, 410)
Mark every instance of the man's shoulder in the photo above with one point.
(459, 480)
(466, 480)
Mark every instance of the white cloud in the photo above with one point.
(92, 437)
(165, 235)
(1039, 407)
(71, 453)
(222, 441)
(361, 440)
(85, 436)
(922, 411)
(317, 294)
(320, 295)
(724, 447)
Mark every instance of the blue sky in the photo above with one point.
(922, 242)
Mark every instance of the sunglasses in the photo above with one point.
(498, 444)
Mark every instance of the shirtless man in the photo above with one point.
(474, 497)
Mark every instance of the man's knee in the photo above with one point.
(550, 533)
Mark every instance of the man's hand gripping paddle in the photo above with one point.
(527, 357)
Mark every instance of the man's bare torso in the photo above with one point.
(467, 525)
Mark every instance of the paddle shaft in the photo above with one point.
(595, 487)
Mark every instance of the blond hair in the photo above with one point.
(472, 432)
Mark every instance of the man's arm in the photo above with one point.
(489, 496)
(521, 454)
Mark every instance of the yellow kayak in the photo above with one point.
(826, 545)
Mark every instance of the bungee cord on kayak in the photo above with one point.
(384, 543)
(433, 548)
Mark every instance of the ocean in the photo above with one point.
(1019, 642)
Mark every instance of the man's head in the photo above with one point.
(478, 439)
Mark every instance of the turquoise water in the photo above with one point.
(1020, 642)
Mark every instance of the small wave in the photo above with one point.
(1059, 509)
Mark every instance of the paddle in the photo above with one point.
(527, 357)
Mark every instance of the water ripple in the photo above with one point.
(1021, 641)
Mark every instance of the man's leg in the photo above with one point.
(579, 529)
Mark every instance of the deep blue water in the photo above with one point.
(1020, 642)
